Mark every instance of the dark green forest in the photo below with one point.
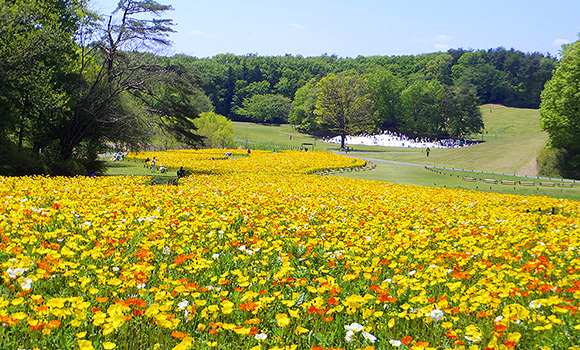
(509, 77)
(73, 82)
(432, 95)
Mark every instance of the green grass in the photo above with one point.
(129, 167)
(512, 151)
(263, 136)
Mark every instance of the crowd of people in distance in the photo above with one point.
(118, 156)
(393, 139)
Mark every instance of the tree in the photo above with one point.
(345, 105)
(302, 112)
(217, 130)
(560, 108)
(489, 81)
(113, 65)
(386, 90)
(440, 68)
(36, 50)
(422, 112)
(268, 108)
(461, 113)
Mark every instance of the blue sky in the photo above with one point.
(366, 27)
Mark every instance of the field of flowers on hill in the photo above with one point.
(266, 260)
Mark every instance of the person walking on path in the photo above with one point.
(427, 150)
(153, 163)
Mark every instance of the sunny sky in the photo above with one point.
(366, 27)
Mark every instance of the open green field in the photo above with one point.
(130, 167)
(411, 175)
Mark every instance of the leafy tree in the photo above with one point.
(36, 50)
(344, 105)
(422, 113)
(176, 100)
(386, 91)
(217, 130)
(440, 68)
(461, 113)
(112, 66)
(490, 82)
(302, 112)
(560, 108)
(269, 108)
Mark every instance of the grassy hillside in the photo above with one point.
(512, 150)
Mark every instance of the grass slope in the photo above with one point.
(512, 150)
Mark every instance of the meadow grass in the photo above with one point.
(510, 152)
(138, 168)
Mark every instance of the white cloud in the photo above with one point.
(441, 47)
(198, 33)
(442, 38)
(438, 39)
(297, 26)
(560, 42)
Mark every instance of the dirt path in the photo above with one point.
(530, 169)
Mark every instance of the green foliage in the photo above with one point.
(490, 82)
(68, 77)
(462, 115)
(440, 68)
(422, 109)
(551, 162)
(17, 163)
(344, 105)
(302, 112)
(499, 76)
(217, 130)
(269, 108)
(386, 91)
(36, 50)
(560, 109)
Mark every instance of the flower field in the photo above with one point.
(236, 258)
(215, 161)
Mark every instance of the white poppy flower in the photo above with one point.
(349, 336)
(369, 337)
(355, 327)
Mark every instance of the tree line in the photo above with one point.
(509, 77)
(560, 117)
(434, 95)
